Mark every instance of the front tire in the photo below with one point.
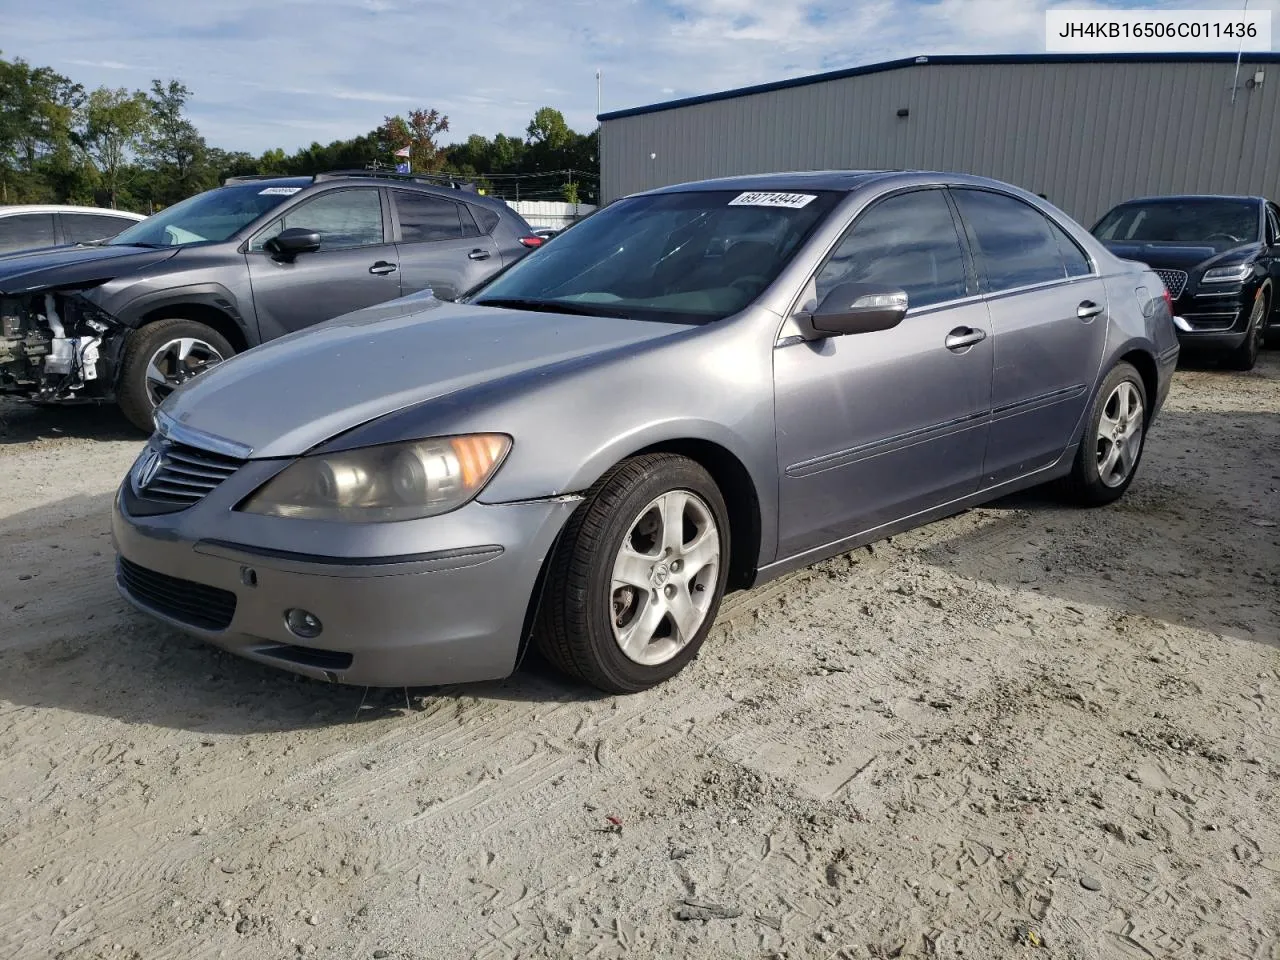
(1245, 356)
(1114, 438)
(159, 358)
(636, 581)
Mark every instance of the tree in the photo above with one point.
(418, 132)
(548, 127)
(37, 110)
(172, 144)
(115, 124)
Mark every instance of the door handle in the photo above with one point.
(478, 255)
(1088, 310)
(962, 338)
(382, 267)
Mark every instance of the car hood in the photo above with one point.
(73, 266)
(1181, 256)
(285, 397)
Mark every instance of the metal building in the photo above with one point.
(1085, 130)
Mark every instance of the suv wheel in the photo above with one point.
(159, 358)
(1245, 356)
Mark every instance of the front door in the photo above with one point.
(355, 266)
(876, 427)
(1048, 316)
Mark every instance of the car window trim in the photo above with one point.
(285, 209)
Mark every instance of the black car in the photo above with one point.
(130, 318)
(1219, 258)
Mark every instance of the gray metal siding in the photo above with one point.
(1086, 134)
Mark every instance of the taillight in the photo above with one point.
(531, 241)
(1168, 300)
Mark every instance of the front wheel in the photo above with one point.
(636, 581)
(1113, 440)
(159, 358)
(1245, 356)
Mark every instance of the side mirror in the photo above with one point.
(858, 308)
(289, 243)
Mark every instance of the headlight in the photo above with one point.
(396, 481)
(1236, 274)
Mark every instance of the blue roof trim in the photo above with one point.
(946, 60)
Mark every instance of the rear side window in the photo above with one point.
(25, 231)
(424, 217)
(1015, 243)
(908, 241)
(1073, 257)
(486, 219)
(79, 227)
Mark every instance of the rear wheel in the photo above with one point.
(1113, 440)
(1245, 356)
(159, 358)
(636, 581)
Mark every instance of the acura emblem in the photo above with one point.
(146, 470)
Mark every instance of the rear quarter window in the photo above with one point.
(486, 219)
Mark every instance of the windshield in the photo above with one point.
(210, 216)
(1210, 221)
(681, 257)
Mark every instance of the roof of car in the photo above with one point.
(383, 178)
(797, 180)
(9, 210)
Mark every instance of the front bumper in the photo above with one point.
(449, 614)
(1215, 320)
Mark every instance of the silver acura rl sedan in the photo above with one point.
(692, 391)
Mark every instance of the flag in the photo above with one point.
(402, 153)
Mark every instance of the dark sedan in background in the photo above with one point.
(1220, 259)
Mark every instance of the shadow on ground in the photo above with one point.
(25, 422)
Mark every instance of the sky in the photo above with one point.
(285, 73)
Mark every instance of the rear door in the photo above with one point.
(876, 427)
(356, 265)
(1271, 257)
(1049, 322)
(440, 246)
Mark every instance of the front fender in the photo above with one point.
(131, 311)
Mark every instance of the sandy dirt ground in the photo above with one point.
(1024, 731)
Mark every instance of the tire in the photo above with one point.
(586, 615)
(1245, 356)
(1088, 483)
(135, 393)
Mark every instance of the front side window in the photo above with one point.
(908, 241)
(1273, 226)
(424, 217)
(685, 256)
(26, 231)
(208, 217)
(1015, 243)
(343, 218)
(1220, 222)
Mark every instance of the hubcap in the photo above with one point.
(176, 362)
(664, 577)
(1120, 434)
(1257, 324)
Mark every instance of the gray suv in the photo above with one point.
(131, 318)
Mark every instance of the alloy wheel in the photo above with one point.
(664, 577)
(1120, 434)
(175, 362)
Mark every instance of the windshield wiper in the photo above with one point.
(553, 306)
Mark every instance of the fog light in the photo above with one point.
(302, 624)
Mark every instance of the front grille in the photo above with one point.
(209, 608)
(1175, 281)
(186, 474)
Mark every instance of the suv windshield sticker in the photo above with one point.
(792, 200)
(279, 191)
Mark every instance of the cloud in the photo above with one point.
(286, 72)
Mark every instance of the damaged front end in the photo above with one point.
(57, 347)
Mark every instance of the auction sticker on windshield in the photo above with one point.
(792, 200)
(279, 191)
